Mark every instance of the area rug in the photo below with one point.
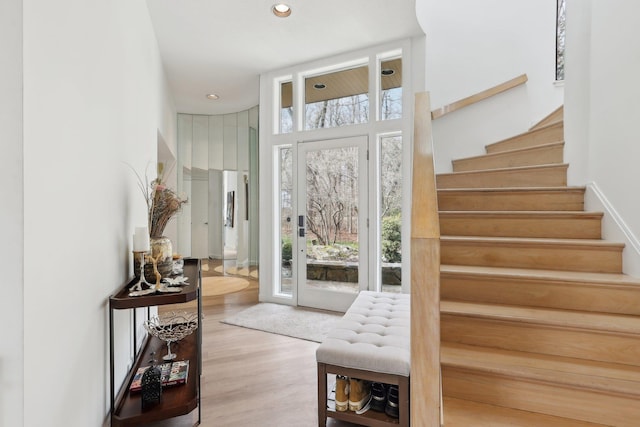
(222, 285)
(242, 271)
(297, 322)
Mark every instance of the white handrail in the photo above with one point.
(465, 102)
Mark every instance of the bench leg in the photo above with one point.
(322, 395)
(403, 404)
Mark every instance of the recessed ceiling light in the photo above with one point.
(319, 86)
(388, 72)
(281, 10)
(212, 96)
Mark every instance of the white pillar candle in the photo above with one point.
(141, 239)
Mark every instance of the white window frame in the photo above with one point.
(412, 54)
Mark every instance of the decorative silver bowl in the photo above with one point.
(172, 327)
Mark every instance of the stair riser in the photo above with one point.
(552, 176)
(551, 134)
(551, 257)
(570, 200)
(540, 293)
(546, 398)
(540, 156)
(500, 226)
(534, 338)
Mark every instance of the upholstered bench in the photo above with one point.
(371, 342)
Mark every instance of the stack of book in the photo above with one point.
(172, 374)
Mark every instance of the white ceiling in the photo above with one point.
(222, 47)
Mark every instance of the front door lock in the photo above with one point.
(301, 225)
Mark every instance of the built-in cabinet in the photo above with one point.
(126, 407)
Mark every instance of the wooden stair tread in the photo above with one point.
(578, 278)
(521, 214)
(511, 169)
(534, 242)
(465, 413)
(498, 154)
(562, 189)
(540, 129)
(555, 116)
(530, 198)
(563, 371)
(611, 323)
(533, 134)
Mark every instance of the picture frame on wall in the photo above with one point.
(231, 196)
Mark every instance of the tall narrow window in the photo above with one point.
(560, 33)
(390, 206)
(337, 99)
(391, 85)
(285, 160)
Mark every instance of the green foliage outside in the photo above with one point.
(287, 250)
(391, 239)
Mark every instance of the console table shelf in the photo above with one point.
(126, 407)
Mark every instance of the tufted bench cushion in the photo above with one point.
(373, 335)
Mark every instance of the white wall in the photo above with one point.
(602, 110)
(95, 100)
(11, 213)
(472, 46)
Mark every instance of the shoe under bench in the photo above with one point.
(370, 418)
(370, 342)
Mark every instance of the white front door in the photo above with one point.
(331, 222)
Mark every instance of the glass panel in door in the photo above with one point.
(332, 222)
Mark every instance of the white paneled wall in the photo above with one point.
(214, 150)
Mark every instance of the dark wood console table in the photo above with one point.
(126, 407)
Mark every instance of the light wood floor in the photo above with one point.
(257, 379)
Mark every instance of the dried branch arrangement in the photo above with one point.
(162, 202)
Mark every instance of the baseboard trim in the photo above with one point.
(614, 228)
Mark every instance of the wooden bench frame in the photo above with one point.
(370, 418)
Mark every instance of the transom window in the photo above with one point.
(342, 96)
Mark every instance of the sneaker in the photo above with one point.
(359, 394)
(378, 397)
(342, 393)
(392, 409)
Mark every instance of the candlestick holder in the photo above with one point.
(137, 290)
(160, 286)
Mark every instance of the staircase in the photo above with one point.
(539, 326)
